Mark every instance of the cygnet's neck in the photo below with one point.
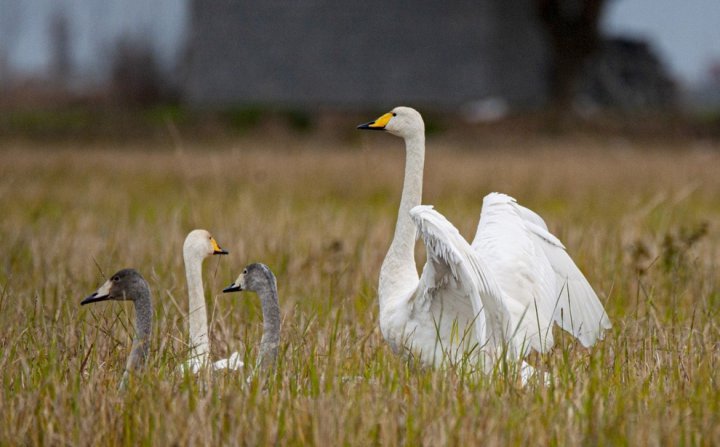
(143, 330)
(141, 342)
(267, 292)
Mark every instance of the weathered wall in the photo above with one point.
(370, 53)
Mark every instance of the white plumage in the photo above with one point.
(198, 245)
(495, 298)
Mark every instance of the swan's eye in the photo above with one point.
(394, 114)
(115, 279)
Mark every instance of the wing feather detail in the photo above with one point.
(533, 267)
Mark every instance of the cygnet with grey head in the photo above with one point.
(129, 285)
(260, 279)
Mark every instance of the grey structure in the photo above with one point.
(364, 54)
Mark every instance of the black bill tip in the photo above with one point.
(367, 125)
(232, 288)
(94, 298)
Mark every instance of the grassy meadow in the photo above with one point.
(641, 220)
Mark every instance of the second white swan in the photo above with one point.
(199, 244)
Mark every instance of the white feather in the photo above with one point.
(552, 279)
(498, 296)
(198, 245)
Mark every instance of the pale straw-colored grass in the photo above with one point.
(641, 221)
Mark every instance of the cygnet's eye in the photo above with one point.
(245, 272)
(115, 278)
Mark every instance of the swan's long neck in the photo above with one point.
(143, 329)
(141, 342)
(199, 342)
(399, 271)
(271, 322)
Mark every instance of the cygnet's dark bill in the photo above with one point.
(101, 294)
(232, 288)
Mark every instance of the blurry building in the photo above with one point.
(487, 56)
(370, 53)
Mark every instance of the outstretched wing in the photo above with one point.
(534, 269)
(578, 309)
(454, 279)
(520, 268)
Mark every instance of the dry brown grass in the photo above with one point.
(642, 222)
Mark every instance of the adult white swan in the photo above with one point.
(199, 244)
(495, 298)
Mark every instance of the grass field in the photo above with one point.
(642, 222)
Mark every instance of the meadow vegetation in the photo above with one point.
(641, 220)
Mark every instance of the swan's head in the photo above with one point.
(404, 122)
(127, 284)
(254, 277)
(200, 243)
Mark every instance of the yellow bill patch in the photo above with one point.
(382, 121)
(215, 246)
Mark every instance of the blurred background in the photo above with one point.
(187, 68)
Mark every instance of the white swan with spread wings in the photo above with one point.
(494, 298)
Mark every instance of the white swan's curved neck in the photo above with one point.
(399, 271)
(197, 313)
